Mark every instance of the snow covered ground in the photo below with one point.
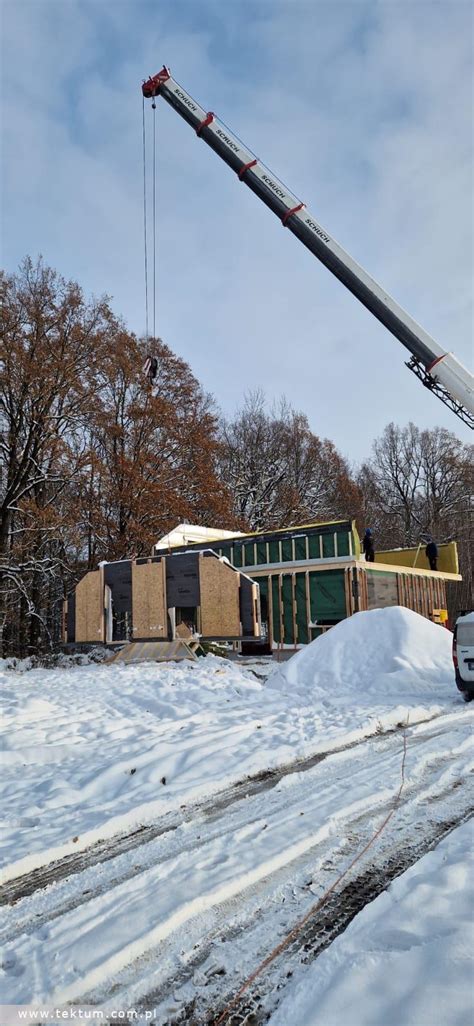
(177, 914)
(406, 959)
(93, 751)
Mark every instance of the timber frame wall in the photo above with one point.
(312, 576)
(299, 605)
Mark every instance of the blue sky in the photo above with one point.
(364, 109)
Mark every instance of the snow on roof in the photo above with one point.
(183, 534)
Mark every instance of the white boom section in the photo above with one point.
(439, 370)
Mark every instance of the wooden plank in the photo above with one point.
(154, 651)
(184, 632)
(148, 600)
(308, 605)
(348, 591)
(270, 611)
(220, 607)
(257, 612)
(363, 589)
(431, 591)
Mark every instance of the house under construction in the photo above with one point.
(313, 576)
(264, 590)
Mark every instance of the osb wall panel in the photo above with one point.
(90, 607)
(382, 591)
(148, 600)
(220, 613)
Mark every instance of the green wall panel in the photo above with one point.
(287, 550)
(327, 595)
(237, 555)
(301, 610)
(226, 550)
(287, 597)
(328, 545)
(249, 553)
(274, 551)
(313, 545)
(261, 552)
(276, 608)
(343, 543)
(300, 547)
(263, 585)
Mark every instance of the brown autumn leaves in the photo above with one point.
(97, 465)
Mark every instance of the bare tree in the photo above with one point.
(417, 483)
(278, 471)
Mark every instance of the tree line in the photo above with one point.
(97, 465)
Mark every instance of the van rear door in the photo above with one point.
(465, 650)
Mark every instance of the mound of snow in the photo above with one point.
(384, 648)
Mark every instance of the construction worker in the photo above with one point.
(368, 545)
(431, 553)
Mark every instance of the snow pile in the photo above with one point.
(405, 959)
(385, 651)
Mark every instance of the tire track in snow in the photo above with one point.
(200, 991)
(334, 917)
(103, 851)
(434, 770)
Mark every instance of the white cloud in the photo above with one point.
(363, 108)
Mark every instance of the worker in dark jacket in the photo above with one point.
(431, 553)
(368, 546)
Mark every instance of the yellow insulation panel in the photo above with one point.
(415, 557)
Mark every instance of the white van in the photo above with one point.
(463, 654)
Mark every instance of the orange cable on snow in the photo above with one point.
(318, 905)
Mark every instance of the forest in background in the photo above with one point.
(96, 465)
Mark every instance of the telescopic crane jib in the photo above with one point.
(439, 371)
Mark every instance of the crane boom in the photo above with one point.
(439, 371)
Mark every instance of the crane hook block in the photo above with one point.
(153, 85)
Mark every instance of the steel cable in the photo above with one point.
(154, 220)
(145, 217)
